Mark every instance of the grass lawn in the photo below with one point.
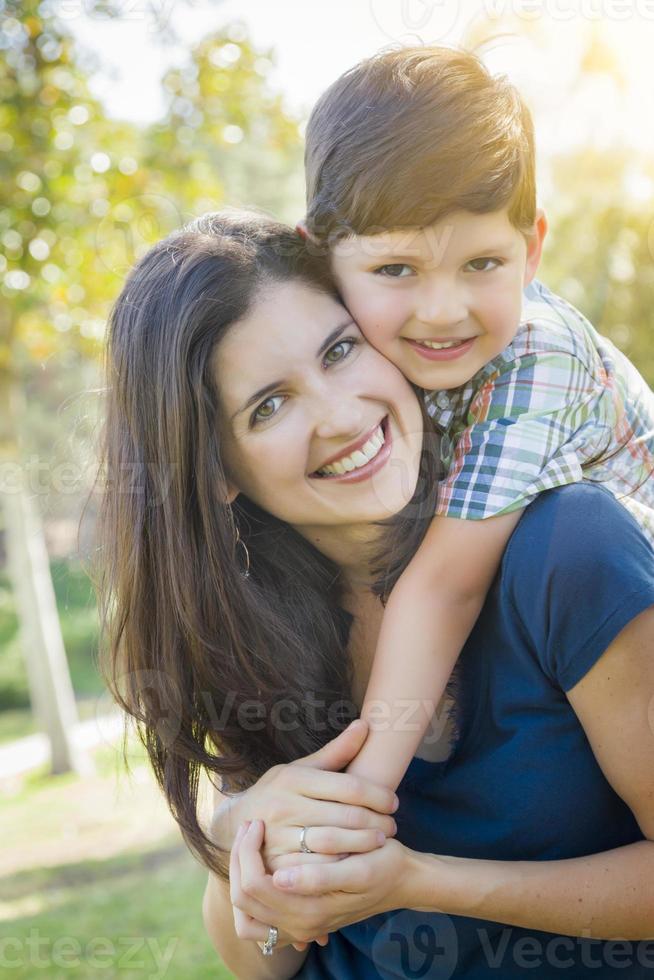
(95, 882)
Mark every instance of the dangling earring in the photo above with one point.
(239, 540)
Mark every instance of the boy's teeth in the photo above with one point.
(358, 458)
(436, 346)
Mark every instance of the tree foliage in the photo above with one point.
(600, 252)
(56, 180)
(82, 196)
(226, 136)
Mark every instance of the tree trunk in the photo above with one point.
(51, 691)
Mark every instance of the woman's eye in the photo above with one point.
(397, 270)
(484, 264)
(266, 409)
(340, 350)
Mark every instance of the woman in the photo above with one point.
(241, 571)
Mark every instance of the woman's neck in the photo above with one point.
(351, 548)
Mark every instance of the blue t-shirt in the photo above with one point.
(522, 782)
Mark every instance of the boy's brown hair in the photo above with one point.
(410, 135)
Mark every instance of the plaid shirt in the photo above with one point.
(558, 405)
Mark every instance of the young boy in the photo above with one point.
(421, 181)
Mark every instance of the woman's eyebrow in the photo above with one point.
(334, 335)
(267, 389)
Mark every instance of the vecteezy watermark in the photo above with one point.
(567, 10)
(407, 20)
(427, 245)
(161, 701)
(561, 952)
(429, 21)
(418, 944)
(409, 944)
(154, 13)
(288, 714)
(38, 476)
(67, 953)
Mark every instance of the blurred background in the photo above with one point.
(120, 120)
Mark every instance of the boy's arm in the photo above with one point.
(428, 618)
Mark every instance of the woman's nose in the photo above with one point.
(342, 417)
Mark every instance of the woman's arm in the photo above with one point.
(602, 896)
(301, 791)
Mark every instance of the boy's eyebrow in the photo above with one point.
(487, 249)
(418, 256)
(407, 257)
(262, 392)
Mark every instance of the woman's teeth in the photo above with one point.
(360, 457)
(436, 346)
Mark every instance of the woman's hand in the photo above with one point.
(245, 925)
(360, 886)
(343, 813)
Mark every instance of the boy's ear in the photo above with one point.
(535, 240)
(303, 232)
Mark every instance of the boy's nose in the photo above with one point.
(440, 306)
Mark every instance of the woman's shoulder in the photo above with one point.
(571, 527)
(576, 570)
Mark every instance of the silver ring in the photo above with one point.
(267, 948)
(303, 842)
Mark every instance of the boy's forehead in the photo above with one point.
(460, 230)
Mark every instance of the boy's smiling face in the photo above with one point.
(456, 283)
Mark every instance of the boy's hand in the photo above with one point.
(343, 813)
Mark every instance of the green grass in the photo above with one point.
(94, 881)
(141, 911)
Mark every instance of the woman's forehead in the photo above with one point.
(280, 334)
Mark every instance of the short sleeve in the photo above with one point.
(576, 571)
(532, 425)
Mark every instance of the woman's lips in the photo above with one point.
(446, 354)
(364, 472)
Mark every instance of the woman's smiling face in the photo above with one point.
(317, 427)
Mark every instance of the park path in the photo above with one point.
(25, 754)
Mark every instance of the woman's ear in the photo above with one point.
(232, 493)
(535, 240)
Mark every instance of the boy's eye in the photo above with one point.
(266, 409)
(340, 350)
(395, 270)
(483, 264)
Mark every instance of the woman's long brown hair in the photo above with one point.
(220, 671)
